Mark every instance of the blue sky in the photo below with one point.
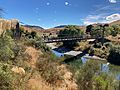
(50, 13)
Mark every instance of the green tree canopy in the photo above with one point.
(71, 31)
(89, 28)
(114, 56)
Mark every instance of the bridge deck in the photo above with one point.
(63, 39)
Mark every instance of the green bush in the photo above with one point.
(85, 74)
(6, 47)
(6, 79)
(89, 77)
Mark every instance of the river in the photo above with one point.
(61, 52)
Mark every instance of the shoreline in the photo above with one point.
(73, 53)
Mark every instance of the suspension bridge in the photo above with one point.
(70, 38)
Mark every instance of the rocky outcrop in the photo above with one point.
(8, 24)
(18, 70)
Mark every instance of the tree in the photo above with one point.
(100, 31)
(114, 56)
(33, 34)
(89, 28)
(115, 30)
(70, 31)
(103, 32)
(96, 32)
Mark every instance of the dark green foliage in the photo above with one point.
(108, 30)
(33, 34)
(114, 56)
(70, 31)
(96, 32)
(89, 28)
(116, 30)
(6, 78)
(98, 45)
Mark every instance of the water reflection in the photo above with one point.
(84, 60)
(103, 67)
(58, 54)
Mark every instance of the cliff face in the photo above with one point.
(8, 24)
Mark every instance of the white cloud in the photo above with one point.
(89, 22)
(113, 1)
(93, 19)
(113, 17)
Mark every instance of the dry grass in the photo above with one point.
(34, 54)
(82, 46)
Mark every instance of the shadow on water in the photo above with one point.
(62, 49)
(71, 59)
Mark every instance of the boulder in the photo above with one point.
(18, 70)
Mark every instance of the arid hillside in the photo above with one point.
(115, 22)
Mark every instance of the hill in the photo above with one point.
(115, 22)
(60, 26)
(56, 29)
(33, 27)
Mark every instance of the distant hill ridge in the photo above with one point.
(33, 26)
(11, 24)
(63, 26)
(115, 22)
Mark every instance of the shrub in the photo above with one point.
(114, 56)
(48, 69)
(33, 34)
(6, 47)
(85, 74)
(82, 46)
(5, 78)
(98, 45)
(105, 82)
(89, 77)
